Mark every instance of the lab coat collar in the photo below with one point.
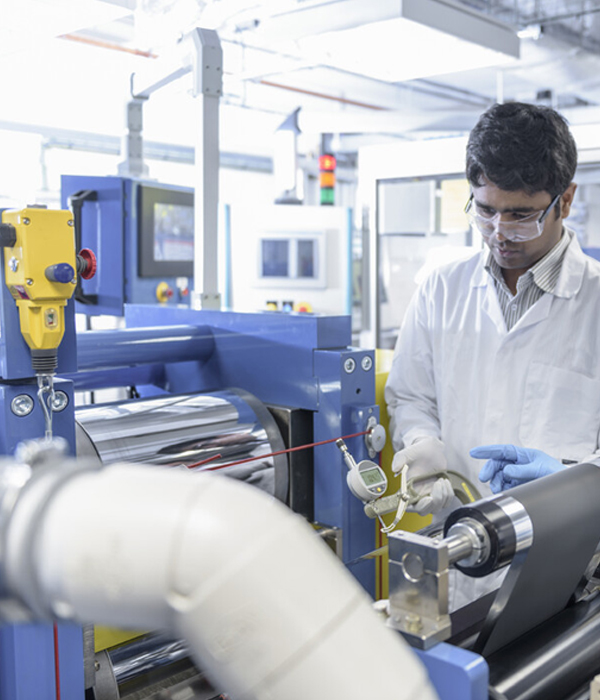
(571, 275)
(481, 277)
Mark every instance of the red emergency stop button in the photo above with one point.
(86, 263)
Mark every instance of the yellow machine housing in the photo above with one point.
(411, 521)
(45, 238)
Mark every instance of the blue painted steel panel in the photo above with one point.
(110, 229)
(106, 215)
(350, 264)
(269, 355)
(305, 330)
(126, 376)
(70, 656)
(457, 674)
(14, 429)
(27, 662)
(346, 402)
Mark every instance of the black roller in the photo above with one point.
(554, 661)
(565, 519)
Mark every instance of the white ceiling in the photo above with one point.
(80, 81)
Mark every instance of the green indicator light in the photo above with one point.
(327, 196)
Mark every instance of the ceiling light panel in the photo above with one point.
(396, 40)
(26, 22)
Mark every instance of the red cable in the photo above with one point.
(204, 461)
(273, 454)
(56, 664)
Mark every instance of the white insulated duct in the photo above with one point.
(266, 609)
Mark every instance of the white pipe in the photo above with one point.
(265, 608)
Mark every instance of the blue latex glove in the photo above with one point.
(509, 466)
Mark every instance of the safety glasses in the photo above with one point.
(514, 226)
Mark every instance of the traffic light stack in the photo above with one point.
(327, 179)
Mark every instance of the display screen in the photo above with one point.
(165, 231)
(275, 257)
(173, 231)
(371, 477)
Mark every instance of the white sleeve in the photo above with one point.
(591, 459)
(410, 391)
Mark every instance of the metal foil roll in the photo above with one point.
(153, 667)
(198, 432)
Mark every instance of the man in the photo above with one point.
(503, 347)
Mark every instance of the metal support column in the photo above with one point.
(208, 87)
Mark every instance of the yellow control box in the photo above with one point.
(41, 272)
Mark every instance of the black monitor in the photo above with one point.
(165, 232)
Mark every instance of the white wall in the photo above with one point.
(249, 224)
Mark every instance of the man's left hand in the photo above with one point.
(509, 465)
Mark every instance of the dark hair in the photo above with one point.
(519, 146)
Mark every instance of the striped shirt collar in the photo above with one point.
(544, 273)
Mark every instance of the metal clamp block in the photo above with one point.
(419, 588)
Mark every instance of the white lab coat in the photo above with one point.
(458, 373)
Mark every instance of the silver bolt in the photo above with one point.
(59, 401)
(70, 222)
(349, 365)
(22, 405)
(29, 281)
(366, 363)
(413, 623)
(13, 263)
(26, 221)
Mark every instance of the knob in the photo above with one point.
(61, 272)
(86, 263)
(163, 292)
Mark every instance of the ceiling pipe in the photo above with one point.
(107, 45)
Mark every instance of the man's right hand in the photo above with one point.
(426, 457)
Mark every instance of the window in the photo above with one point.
(275, 258)
(292, 260)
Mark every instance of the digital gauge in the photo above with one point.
(367, 481)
